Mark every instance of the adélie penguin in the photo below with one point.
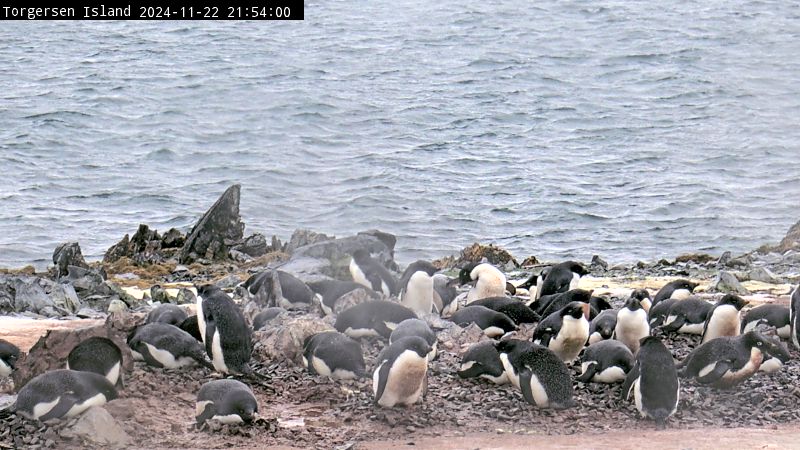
(99, 355)
(494, 324)
(516, 310)
(724, 318)
(687, 316)
(416, 287)
(678, 289)
(400, 377)
(415, 327)
(279, 288)
(658, 313)
(548, 304)
(643, 295)
(631, 324)
(227, 336)
(373, 318)
(9, 353)
(565, 332)
(445, 287)
(332, 290)
(333, 354)
(562, 277)
(606, 362)
(653, 381)
(602, 326)
(482, 360)
(167, 346)
(62, 394)
(794, 311)
(167, 313)
(264, 317)
(227, 401)
(727, 361)
(534, 284)
(488, 280)
(369, 272)
(770, 315)
(538, 372)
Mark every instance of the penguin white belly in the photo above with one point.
(166, 358)
(320, 367)
(343, 374)
(136, 355)
(570, 339)
(680, 294)
(691, 328)
(113, 374)
(216, 353)
(201, 319)
(595, 338)
(358, 275)
(405, 380)
(756, 357)
(325, 309)
(40, 409)
(511, 375)
(609, 375)
(784, 332)
(637, 396)
(750, 326)
(493, 331)
(360, 332)
(5, 369)
(534, 294)
(771, 365)
(631, 326)
(228, 419)
(432, 353)
(501, 379)
(724, 322)
(78, 408)
(793, 331)
(575, 281)
(418, 296)
(539, 394)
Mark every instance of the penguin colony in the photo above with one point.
(571, 327)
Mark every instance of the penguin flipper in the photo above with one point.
(587, 376)
(627, 386)
(383, 378)
(544, 340)
(719, 370)
(208, 412)
(525, 385)
(675, 325)
(66, 401)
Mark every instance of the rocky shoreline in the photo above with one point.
(303, 410)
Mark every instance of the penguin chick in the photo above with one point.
(540, 374)
(227, 401)
(400, 377)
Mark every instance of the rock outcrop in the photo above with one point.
(217, 231)
(66, 255)
(146, 246)
(285, 336)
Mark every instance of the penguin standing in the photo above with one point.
(724, 318)
(540, 374)
(493, 323)
(371, 273)
(687, 316)
(446, 289)
(602, 326)
(643, 295)
(550, 303)
(727, 361)
(162, 345)
(489, 281)
(416, 287)
(9, 353)
(653, 381)
(99, 355)
(565, 332)
(415, 327)
(482, 360)
(227, 336)
(606, 362)
(775, 316)
(333, 354)
(632, 324)
(167, 313)
(678, 289)
(401, 374)
(562, 278)
(63, 393)
(375, 318)
(794, 309)
(227, 401)
(534, 283)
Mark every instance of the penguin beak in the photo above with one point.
(585, 308)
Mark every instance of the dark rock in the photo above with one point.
(303, 237)
(159, 294)
(185, 295)
(332, 258)
(65, 255)
(65, 298)
(698, 258)
(530, 261)
(791, 240)
(494, 254)
(254, 245)
(219, 229)
(763, 275)
(598, 263)
(30, 296)
(172, 239)
(228, 282)
(724, 259)
(726, 282)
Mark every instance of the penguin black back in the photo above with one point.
(63, 393)
(9, 353)
(190, 326)
(492, 323)
(562, 277)
(678, 288)
(548, 304)
(654, 381)
(99, 355)
(775, 316)
(262, 318)
(167, 313)
(371, 273)
(228, 337)
(377, 317)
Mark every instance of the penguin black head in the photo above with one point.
(733, 300)
(241, 403)
(640, 294)
(510, 345)
(361, 255)
(207, 289)
(577, 268)
(575, 310)
(416, 344)
(649, 341)
(579, 295)
(422, 266)
(511, 289)
(633, 304)
(599, 304)
(9, 353)
(767, 344)
(465, 274)
(685, 284)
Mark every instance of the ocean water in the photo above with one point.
(632, 130)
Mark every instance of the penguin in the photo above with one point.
(489, 281)
(516, 310)
(190, 326)
(775, 316)
(606, 362)
(99, 355)
(540, 374)
(332, 290)
(794, 309)
(678, 289)
(653, 382)
(162, 345)
(415, 327)
(401, 373)
(602, 326)
(562, 278)
(598, 305)
(333, 354)
(279, 288)
(534, 283)
(227, 401)
(565, 332)
(548, 304)
(63, 394)
(261, 319)
(416, 287)
(445, 287)
(724, 318)
(727, 361)
(632, 324)
(227, 336)
(643, 295)
(375, 318)
(687, 316)
(482, 360)
(9, 354)
(493, 323)
(658, 313)
(166, 313)
(371, 273)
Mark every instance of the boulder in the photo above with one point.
(172, 239)
(763, 275)
(598, 263)
(185, 295)
(30, 296)
(220, 228)
(97, 426)
(791, 240)
(726, 282)
(254, 245)
(145, 247)
(65, 255)
(697, 258)
(159, 295)
(284, 338)
(65, 298)
(352, 298)
(494, 254)
(303, 237)
(331, 258)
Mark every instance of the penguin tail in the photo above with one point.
(661, 422)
